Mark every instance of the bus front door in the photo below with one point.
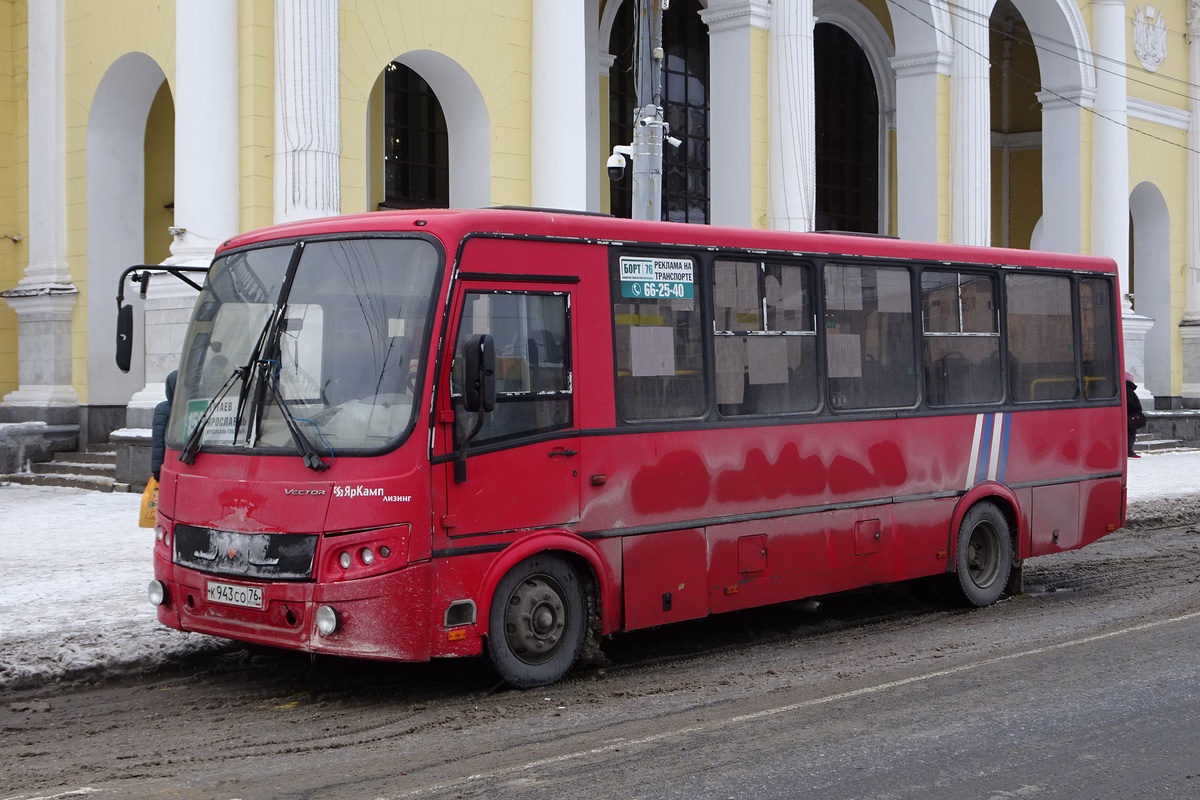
(521, 468)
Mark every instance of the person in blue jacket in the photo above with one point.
(158, 436)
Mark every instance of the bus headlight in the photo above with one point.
(157, 593)
(327, 620)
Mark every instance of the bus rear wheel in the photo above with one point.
(984, 558)
(537, 622)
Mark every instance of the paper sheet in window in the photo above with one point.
(731, 366)
(768, 359)
(892, 285)
(845, 355)
(653, 351)
(843, 288)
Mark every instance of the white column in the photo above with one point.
(206, 128)
(1061, 228)
(1110, 140)
(917, 143)
(206, 180)
(731, 24)
(1189, 328)
(791, 117)
(307, 110)
(559, 137)
(970, 127)
(44, 298)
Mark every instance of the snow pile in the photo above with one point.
(73, 591)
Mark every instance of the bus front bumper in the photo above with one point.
(384, 617)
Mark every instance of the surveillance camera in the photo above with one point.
(616, 166)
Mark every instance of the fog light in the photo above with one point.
(344, 560)
(157, 593)
(327, 620)
(367, 556)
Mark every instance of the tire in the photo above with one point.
(984, 557)
(537, 622)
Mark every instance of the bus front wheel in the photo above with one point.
(984, 557)
(537, 622)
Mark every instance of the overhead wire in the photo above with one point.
(1064, 98)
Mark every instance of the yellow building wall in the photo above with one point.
(1168, 84)
(606, 144)
(159, 212)
(256, 133)
(96, 35)
(943, 137)
(882, 13)
(760, 51)
(490, 39)
(14, 217)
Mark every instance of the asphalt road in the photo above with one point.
(1084, 687)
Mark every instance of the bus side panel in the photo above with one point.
(1055, 518)
(788, 558)
(922, 536)
(665, 577)
(1103, 502)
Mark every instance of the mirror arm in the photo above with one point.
(460, 460)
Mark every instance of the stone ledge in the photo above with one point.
(25, 442)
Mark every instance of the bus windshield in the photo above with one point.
(308, 344)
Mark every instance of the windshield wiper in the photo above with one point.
(308, 454)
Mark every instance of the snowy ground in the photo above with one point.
(75, 568)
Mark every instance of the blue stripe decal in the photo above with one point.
(1003, 468)
(985, 449)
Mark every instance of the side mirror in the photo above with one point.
(124, 337)
(479, 361)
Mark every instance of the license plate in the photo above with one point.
(234, 595)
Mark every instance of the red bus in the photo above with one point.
(426, 434)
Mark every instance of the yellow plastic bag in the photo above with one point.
(148, 516)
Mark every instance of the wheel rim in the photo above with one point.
(535, 619)
(983, 555)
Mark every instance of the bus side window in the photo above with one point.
(658, 341)
(1041, 339)
(764, 337)
(533, 379)
(869, 336)
(961, 338)
(1099, 349)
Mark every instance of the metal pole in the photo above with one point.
(648, 125)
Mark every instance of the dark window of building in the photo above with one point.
(416, 146)
(847, 109)
(685, 109)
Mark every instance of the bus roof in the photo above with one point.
(451, 225)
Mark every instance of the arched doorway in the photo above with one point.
(847, 133)
(416, 143)
(130, 178)
(1016, 129)
(429, 136)
(1150, 283)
